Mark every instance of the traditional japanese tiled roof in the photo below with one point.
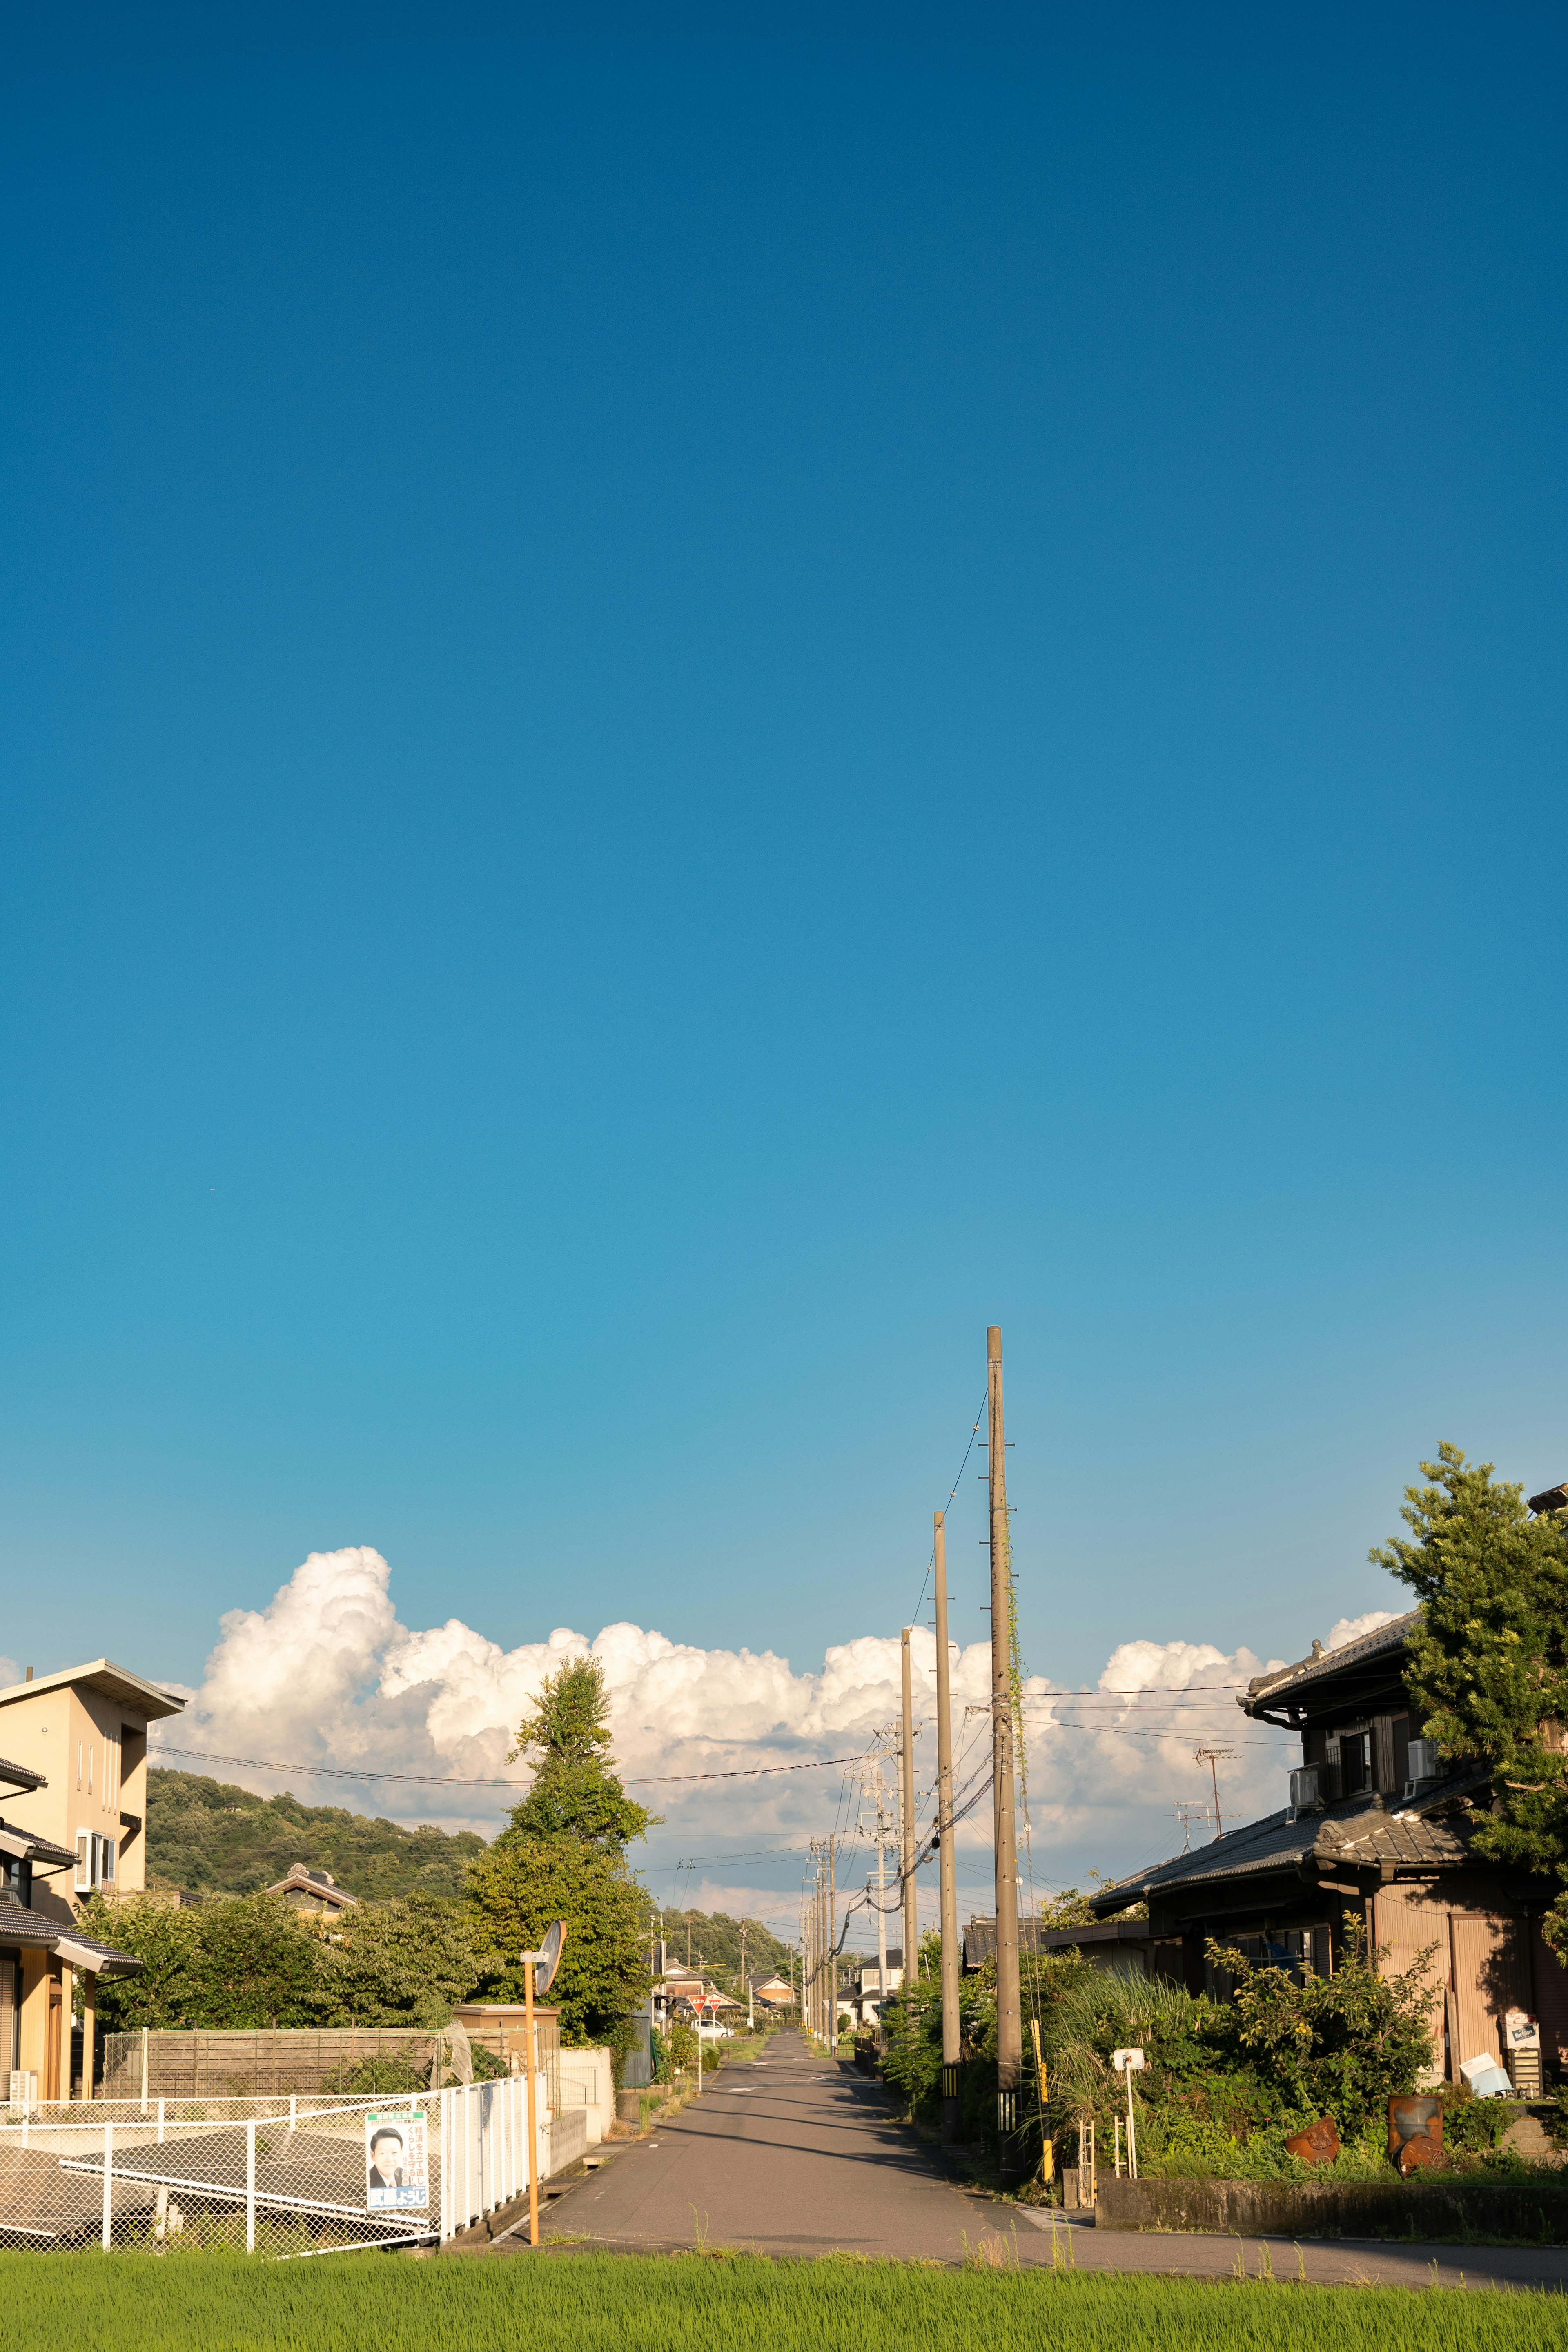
(1350, 1835)
(1289, 1684)
(20, 1776)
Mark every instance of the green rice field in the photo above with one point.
(602, 2303)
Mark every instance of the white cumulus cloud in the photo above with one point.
(327, 1681)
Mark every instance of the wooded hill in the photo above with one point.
(715, 1946)
(207, 1837)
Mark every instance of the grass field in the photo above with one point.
(127, 2302)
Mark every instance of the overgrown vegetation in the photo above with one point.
(1226, 2083)
(1489, 1659)
(606, 2303)
(207, 1837)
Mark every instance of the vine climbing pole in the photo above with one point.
(1009, 2013)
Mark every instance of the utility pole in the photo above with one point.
(881, 1909)
(832, 1952)
(907, 1827)
(872, 1777)
(1009, 2008)
(951, 2126)
(814, 1915)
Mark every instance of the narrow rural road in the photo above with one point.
(795, 2155)
(798, 2156)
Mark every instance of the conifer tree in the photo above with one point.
(564, 1857)
(1487, 1671)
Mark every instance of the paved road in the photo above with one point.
(797, 2156)
(793, 2155)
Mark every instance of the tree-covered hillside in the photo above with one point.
(715, 1943)
(207, 1837)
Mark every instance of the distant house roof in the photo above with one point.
(104, 1676)
(1095, 1936)
(318, 1885)
(980, 1940)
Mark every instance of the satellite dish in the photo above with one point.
(549, 1959)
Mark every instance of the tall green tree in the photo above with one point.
(1487, 1671)
(564, 1857)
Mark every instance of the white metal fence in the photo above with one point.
(278, 2176)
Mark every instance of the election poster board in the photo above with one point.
(396, 2161)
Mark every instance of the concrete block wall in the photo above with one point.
(591, 2079)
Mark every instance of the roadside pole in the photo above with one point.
(952, 2123)
(1009, 2007)
(907, 1826)
(881, 1911)
(532, 2094)
(549, 1954)
(832, 1947)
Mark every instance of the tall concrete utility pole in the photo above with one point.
(951, 2126)
(882, 1906)
(907, 1826)
(832, 1948)
(1009, 2008)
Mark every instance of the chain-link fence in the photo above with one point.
(279, 2175)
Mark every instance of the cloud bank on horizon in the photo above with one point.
(326, 1680)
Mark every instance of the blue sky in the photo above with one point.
(697, 701)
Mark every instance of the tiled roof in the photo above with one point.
(1355, 1831)
(27, 1844)
(18, 1925)
(1270, 1690)
(21, 1776)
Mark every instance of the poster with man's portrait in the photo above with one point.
(396, 2168)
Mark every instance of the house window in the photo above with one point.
(78, 1753)
(106, 1866)
(84, 1846)
(1355, 1762)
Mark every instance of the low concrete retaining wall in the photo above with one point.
(567, 2135)
(1535, 2211)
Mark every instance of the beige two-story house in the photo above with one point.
(74, 1782)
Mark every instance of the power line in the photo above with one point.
(451, 1781)
(951, 1491)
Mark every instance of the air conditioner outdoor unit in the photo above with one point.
(1312, 1785)
(1425, 1764)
